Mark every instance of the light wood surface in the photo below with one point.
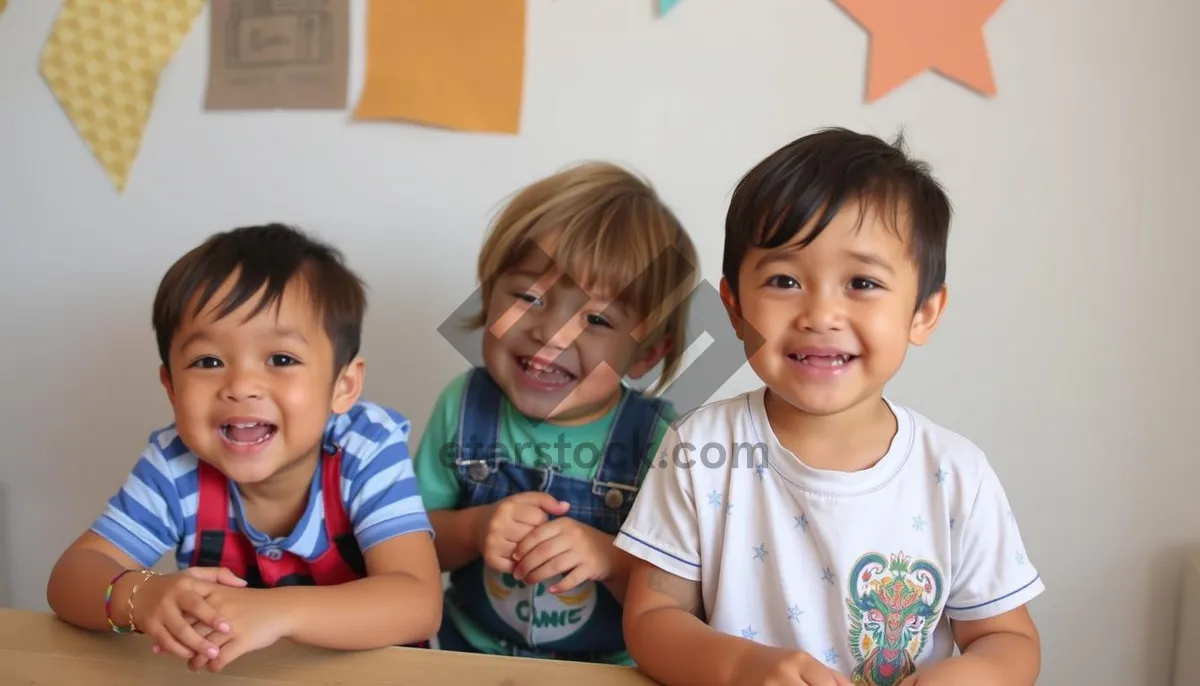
(37, 649)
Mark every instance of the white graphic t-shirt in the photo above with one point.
(859, 569)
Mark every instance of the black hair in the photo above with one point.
(264, 258)
(820, 172)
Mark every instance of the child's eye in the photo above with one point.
(858, 283)
(281, 360)
(529, 298)
(206, 362)
(597, 320)
(781, 281)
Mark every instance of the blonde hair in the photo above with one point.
(612, 231)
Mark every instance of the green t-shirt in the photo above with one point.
(574, 449)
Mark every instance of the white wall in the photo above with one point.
(1078, 378)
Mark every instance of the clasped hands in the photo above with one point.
(517, 536)
(207, 616)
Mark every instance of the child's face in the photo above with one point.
(252, 397)
(836, 317)
(559, 351)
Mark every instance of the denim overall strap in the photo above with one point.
(479, 418)
(628, 447)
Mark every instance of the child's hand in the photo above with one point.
(564, 546)
(781, 667)
(165, 606)
(258, 621)
(509, 521)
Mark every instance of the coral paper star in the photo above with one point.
(910, 36)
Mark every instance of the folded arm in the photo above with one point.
(667, 635)
(457, 541)
(398, 603)
(80, 577)
(1004, 650)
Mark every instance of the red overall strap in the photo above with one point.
(342, 560)
(212, 509)
(337, 522)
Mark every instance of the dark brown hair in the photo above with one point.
(808, 181)
(265, 258)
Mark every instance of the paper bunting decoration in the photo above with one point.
(911, 36)
(458, 64)
(102, 63)
(665, 6)
(278, 54)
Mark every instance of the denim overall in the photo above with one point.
(584, 623)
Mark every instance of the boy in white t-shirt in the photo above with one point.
(813, 531)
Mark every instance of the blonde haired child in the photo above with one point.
(530, 462)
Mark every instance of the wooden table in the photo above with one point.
(37, 648)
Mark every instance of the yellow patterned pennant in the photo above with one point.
(102, 62)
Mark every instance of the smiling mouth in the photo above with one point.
(545, 373)
(823, 360)
(248, 433)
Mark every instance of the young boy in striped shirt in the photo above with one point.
(291, 505)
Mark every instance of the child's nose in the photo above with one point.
(821, 313)
(556, 330)
(242, 385)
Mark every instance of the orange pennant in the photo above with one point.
(458, 64)
(911, 36)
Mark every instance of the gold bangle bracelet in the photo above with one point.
(146, 575)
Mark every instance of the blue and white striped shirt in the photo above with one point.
(155, 510)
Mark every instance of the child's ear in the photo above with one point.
(926, 318)
(649, 357)
(732, 308)
(348, 386)
(164, 377)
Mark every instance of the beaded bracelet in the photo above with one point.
(108, 604)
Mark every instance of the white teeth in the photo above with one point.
(271, 430)
(531, 365)
(837, 361)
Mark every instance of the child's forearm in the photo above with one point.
(457, 539)
(675, 647)
(1004, 659)
(378, 611)
(77, 585)
(617, 581)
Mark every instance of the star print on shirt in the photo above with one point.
(1020, 560)
(760, 470)
(952, 522)
(827, 575)
(728, 509)
(940, 476)
(918, 523)
(802, 522)
(794, 613)
(749, 633)
(714, 498)
(760, 552)
(831, 656)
